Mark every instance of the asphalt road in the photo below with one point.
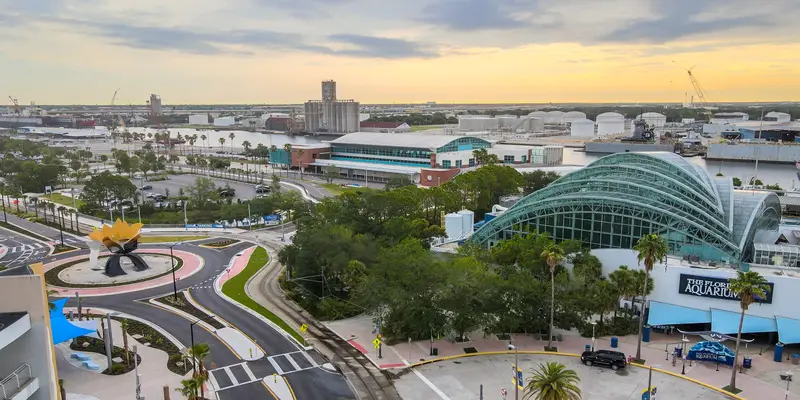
(22, 249)
(311, 383)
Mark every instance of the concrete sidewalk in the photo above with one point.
(761, 381)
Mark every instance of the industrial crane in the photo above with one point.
(15, 103)
(701, 94)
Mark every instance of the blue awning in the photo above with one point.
(61, 328)
(788, 330)
(728, 322)
(670, 314)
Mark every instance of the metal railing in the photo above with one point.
(11, 384)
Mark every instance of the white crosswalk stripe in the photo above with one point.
(227, 372)
(290, 358)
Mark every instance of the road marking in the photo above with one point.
(230, 375)
(275, 365)
(308, 357)
(292, 361)
(249, 372)
(431, 385)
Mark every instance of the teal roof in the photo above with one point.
(728, 322)
(669, 314)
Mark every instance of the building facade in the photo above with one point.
(617, 199)
(330, 114)
(155, 104)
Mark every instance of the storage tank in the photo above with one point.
(536, 124)
(574, 116)
(478, 123)
(653, 119)
(454, 225)
(610, 123)
(538, 114)
(507, 121)
(582, 128)
(779, 116)
(554, 117)
(468, 221)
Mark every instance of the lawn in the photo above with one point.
(168, 239)
(59, 198)
(417, 128)
(235, 289)
(337, 189)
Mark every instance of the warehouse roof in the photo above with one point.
(407, 140)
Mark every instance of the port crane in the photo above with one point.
(15, 103)
(701, 94)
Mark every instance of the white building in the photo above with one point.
(477, 123)
(729, 117)
(777, 116)
(27, 355)
(582, 128)
(224, 121)
(610, 123)
(653, 119)
(198, 119)
(385, 127)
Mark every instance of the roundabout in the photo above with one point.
(81, 273)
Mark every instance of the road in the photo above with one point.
(244, 191)
(308, 381)
(23, 250)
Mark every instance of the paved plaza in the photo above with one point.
(460, 379)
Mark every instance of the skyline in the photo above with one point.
(380, 52)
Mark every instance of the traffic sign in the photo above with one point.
(516, 376)
(503, 391)
(651, 394)
(303, 328)
(376, 343)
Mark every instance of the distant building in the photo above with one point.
(386, 127)
(225, 121)
(155, 104)
(198, 119)
(277, 124)
(330, 114)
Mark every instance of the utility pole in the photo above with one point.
(136, 371)
(650, 381)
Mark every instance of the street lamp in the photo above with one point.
(172, 261)
(516, 368)
(191, 335)
(594, 324)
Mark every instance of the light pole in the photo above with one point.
(594, 324)
(516, 369)
(172, 261)
(788, 378)
(139, 210)
(136, 371)
(249, 217)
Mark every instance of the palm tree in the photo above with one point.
(52, 208)
(189, 387)
(123, 324)
(198, 352)
(203, 139)
(553, 255)
(71, 212)
(231, 136)
(50, 304)
(299, 160)
(35, 201)
(552, 381)
(288, 148)
(221, 142)
(651, 248)
(750, 286)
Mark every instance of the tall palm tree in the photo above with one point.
(231, 136)
(553, 255)
(221, 142)
(203, 139)
(750, 286)
(71, 212)
(552, 381)
(35, 201)
(52, 208)
(651, 248)
(198, 352)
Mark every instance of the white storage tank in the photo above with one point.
(555, 118)
(574, 116)
(454, 225)
(779, 116)
(507, 121)
(583, 128)
(610, 123)
(536, 124)
(477, 123)
(538, 114)
(653, 119)
(468, 221)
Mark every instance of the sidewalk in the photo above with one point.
(762, 381)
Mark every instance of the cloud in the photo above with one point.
(302, 9)
(378, 47)
(472, 15)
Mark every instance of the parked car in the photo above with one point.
(263, 189)
(227, 192)
(606, 358)
(147, 187)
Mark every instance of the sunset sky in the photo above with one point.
(387, 51)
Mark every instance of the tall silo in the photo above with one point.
(610, 123)
(454, 225)
(467, 221)
(582, 128)
(574, 116)
(554, 118)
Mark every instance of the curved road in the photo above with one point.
(307, 381)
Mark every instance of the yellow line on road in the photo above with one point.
(270, 390)
(290, 387)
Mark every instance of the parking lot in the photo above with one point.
(460, 379)
(244, 191)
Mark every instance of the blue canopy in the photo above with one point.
(711, 351)
(788, 330)
(61, 328)
(728, 322)
(670, 314)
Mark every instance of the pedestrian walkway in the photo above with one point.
(760, 381)
(273, 369)
(232, 376)
(292, 362)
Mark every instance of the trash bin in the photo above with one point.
(435, 351)
(778, 352)
(678, 352)
(588, 347)
(614, 342)
(646, 334)
(747, 362)
(795, 359)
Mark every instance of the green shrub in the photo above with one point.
(117, 368)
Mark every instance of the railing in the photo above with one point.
(14, 382)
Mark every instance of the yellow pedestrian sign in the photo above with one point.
(303, 328)
(376, 343)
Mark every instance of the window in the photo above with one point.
(508, 159)
(458, 163)
(471, 162)
(446, 164)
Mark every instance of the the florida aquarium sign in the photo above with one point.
(717, 288)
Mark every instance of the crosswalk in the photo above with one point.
(24, 247)
(242, 374)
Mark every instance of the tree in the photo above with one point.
(221, 142)
(396, 181)
(651, 248)
(203, 190)
(552, 381)
(231, 136)
(538, 180)
(553, 255)
(737, 182)
(189, 387)
(276, 184)
(331, 172)
(198, 352)
(104, 186)
(123, 323)
(750, 287)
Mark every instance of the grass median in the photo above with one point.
(235, 289)
(59, 198)
(337, 189)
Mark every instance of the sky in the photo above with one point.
(389, 51)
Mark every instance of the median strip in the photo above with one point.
(234, 288)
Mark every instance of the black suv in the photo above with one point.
(607, 358)
(227, 192)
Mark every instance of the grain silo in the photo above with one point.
(454, 226)
(554, 118)
(653, 119)
(467, 221)
(574, 116)
(582, 128)
(610, 123)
